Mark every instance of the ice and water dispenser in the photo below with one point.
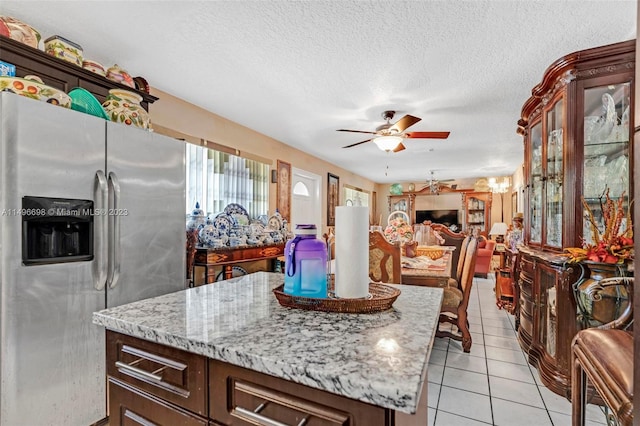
(56, 230)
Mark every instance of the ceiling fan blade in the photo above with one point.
(356, 131)
(404, 123)
(357, 143)
(399, 148)
(428, 135)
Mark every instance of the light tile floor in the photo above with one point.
(494, 384)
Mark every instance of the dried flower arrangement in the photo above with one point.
(614, 245)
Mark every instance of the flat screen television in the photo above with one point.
(445, 217)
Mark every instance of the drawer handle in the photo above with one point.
(140, 371)
(253, 415)
(262, 420)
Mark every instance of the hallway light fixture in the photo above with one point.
(387, 143)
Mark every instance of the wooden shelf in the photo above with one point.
(61, 74)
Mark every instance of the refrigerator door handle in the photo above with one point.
(100, 244)
(114, 231)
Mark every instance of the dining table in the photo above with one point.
(424, 271)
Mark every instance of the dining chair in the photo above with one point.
(451, 238)
(384, 259)
(603, 357)
(456, 300)
(454, 280)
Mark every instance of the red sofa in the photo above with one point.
(483, 261)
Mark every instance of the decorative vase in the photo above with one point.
(123, 106)
(610, 302)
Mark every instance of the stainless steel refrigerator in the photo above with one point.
(91, 216)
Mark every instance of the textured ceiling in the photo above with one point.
(298, 70)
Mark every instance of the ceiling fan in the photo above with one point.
(435, 185)
(389, 136)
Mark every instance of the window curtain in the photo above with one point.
(216, 179)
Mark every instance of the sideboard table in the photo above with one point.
(208, 258)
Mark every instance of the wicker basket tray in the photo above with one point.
(381, 298)
(434, 252)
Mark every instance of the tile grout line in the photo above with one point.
(486, 359)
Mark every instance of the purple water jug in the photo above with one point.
(305, 271)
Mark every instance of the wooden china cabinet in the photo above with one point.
(404, 202)
(576, 126)
(477, 211)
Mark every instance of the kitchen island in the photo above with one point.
(228, 352)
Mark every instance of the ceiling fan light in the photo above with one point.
(387, 143)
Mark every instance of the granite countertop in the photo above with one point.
(377, 358)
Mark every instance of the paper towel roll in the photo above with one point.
(352, 251)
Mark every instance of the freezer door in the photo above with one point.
(146, 218)
(51, 355)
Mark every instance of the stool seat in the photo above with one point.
(605, 357)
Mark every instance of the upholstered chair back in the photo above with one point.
(384, 259)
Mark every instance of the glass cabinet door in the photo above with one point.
(547, 314)
(476, 214)
(535, 201)
(401, 204)
(606, 149)
(554, 173)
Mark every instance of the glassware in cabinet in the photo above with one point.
(554, 174)
(535, 201)
(605, 150)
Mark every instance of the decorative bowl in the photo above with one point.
(124, 107)
(94, 67)
(82, 100)
(34, 90)
(19, 31)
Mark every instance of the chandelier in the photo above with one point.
(499, 187)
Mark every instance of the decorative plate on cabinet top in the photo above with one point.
(395, 189)
(35, 90)
(275, 222)
(223, 223)
(238, 212)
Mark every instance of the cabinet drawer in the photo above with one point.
(526, 265)
(130, 406)
(526, 322)
(526, 305)
(526, 287)
(242, 397)
(171, 374)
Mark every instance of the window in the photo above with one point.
(216, 179)
(355, 196)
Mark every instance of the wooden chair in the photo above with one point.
(384, 259)
(454, 281)
(603, 356)
(456, 300)
(450, 239)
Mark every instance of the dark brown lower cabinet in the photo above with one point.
(548, 320)
(129, 406)
(153, 384)
(244, 397)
